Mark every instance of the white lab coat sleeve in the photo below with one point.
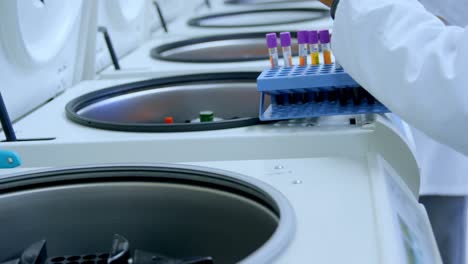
(410, 61)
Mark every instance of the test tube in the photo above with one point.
(303, 39)
(285, 38)
(272, 45)
(206, 116)
(326, 49)
(314, 47)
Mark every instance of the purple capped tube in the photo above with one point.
(314, 47)
(324, 36)
(272, 45)
(285, 38)
(303, 40)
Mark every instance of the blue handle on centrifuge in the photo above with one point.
(9, 159)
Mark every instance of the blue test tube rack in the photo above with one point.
(312, 91)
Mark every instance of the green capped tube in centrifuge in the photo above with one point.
(206, 116)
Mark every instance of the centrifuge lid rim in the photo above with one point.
(157, 51)
(196, 21)
(72, 108)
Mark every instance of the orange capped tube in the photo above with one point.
(302, 40)
(314, 47)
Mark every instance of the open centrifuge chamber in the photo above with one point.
(242, 20)
(213, 53)
(169, 212)
(143, 106)
(239, 47)
(258, 18)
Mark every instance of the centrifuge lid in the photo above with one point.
(259, 17)
(125, 22)
(122, 13)
(40, 40)
(142, 106)
(215, 49)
